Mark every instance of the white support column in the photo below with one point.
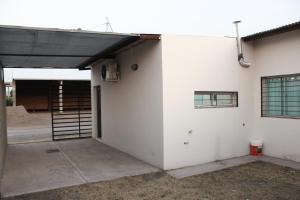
(3, 130)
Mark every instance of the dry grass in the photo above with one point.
(255, 181)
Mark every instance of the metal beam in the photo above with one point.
(44, 55)
(3, 128)
(143, 38)
(107, 53)
(43, 67)
(110, 53)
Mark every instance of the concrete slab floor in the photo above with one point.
(281, 162)
(29, 168)
(232, 162)
(98, 162)
(31, 134)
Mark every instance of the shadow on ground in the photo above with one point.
(258, 180)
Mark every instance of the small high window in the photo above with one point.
(204, 99)
(281, 96)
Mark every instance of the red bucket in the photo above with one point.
(256, 148)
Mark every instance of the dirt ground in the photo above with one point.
(253, 181)
(17, 116)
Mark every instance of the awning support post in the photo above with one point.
(3, 127)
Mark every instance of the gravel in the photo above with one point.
(258, 180)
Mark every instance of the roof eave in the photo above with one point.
(119, 47)
(272, 32)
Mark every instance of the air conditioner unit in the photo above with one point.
(110, 71)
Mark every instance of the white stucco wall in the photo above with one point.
(132, 117)
(276, 55)
(193, 63)
(150, 112)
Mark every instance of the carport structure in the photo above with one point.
(26, 47)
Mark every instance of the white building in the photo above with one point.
(180, 100)
(190, 102)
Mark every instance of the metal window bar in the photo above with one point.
(280, 96)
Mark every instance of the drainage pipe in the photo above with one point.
(241, 59)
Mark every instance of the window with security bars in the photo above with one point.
(281, 96)
(204, 99)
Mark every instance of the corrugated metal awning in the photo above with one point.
(271, 32)
(25, 47)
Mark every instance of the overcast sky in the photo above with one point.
(196, 17)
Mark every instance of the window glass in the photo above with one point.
(203, 99)
(281, 96)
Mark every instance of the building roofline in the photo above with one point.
(111, 42)
(271, 32)
(66, 30)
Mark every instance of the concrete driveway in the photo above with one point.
(43, 166)
(28, 134)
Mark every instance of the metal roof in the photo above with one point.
(271, 32)
(27, 47)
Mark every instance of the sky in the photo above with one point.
(188, 17)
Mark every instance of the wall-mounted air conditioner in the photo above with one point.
(110, 71)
